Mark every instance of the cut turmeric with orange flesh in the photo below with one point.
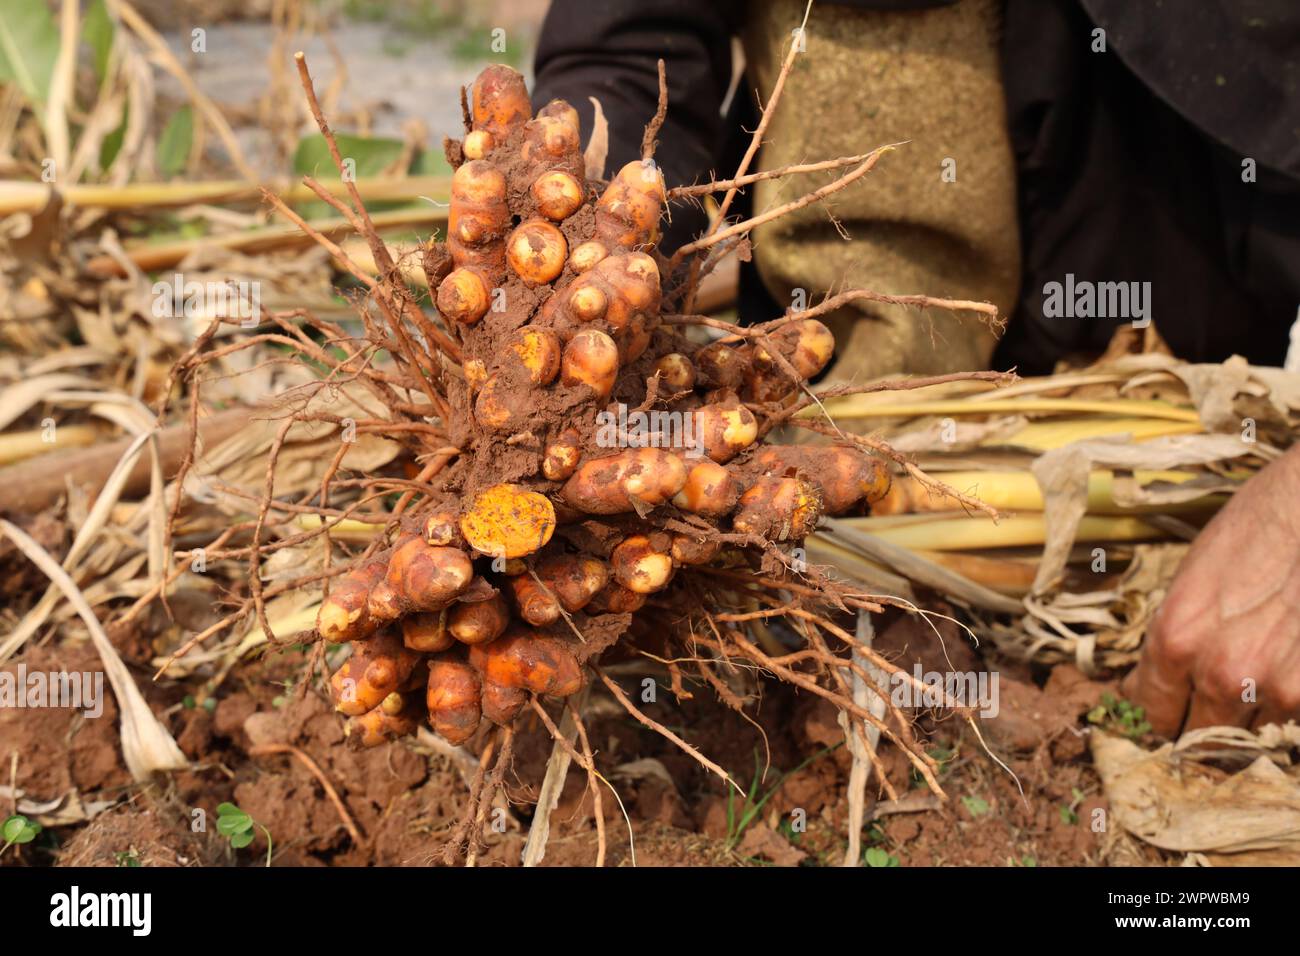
(508, 521)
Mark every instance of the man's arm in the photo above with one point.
(610, 51)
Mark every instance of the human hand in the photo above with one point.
(1224, 647)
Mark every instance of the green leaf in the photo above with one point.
(112, 143)
(97, 30)
(977, 806)
(1068, 816)
(430, 162)
(942, 754)
(175, 141)
(365, 156)
(228, 826)
(29, 46)
(875, 856)
(18, 829)
(370, 155)
(232, 821)
(241, 840)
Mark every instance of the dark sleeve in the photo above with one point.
(609, 50)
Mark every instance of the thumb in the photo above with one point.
(1162, 683)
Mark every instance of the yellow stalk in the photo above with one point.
(349, 529)
(283, 626)
(18, 196)
(166, 255)
(1010, 576)
(822, 549)
(1019, 491)
(1044, 436)
(358, 250)
(940, 533)
(17, 446)
(861, 406)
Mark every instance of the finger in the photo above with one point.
(1128, 686)
(1252, 676)
(1279, 700)
(1274, 713)
(1266, 715)
(1213, 709)
(1223, 688)
(1161, 684)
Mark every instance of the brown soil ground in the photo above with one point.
(406, 799)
